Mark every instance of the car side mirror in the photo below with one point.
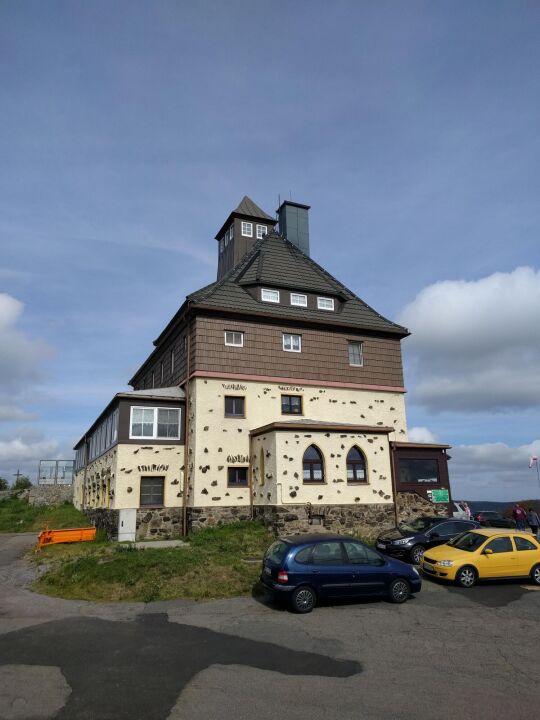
(488, 551)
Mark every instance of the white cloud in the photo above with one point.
(475, 345)
(494, 471)
(421, 435)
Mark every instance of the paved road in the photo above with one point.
(447, 653)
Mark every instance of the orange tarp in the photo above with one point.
(50, 537)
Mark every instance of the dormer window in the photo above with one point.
(247, 229)
(271, 296)
(324, 303)
(262, 230)
(299, 300)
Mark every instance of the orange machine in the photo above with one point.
(50, 537)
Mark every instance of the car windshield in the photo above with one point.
(469, 541)
(418, 525)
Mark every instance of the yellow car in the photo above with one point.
(485, 554)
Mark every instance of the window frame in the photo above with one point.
(244, 228)
(237, 467)
(355, 463)
(290, 412)
(154, 435)
(260, 228)
(234, 397)
(234, 332)
(291, 349)
(231, 232)
(360, 344)
(273, 291)
(152, 505)
(326, 299)
(312, 480)
(298, 304)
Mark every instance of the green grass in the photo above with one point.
(219, 563)
(18, 516)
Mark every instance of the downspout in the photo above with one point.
(186, 435)
(393, 476)
(84, 476)
(250, 483)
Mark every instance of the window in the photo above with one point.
(172, 362)
(262, 230)
(292, 343)
(277, 552)
(152, 491)
(304, 556)
(162, 372)
(291, 404)
(231, 231)
(362, 555)
(415, 470)
(356, 356)
(269, 295)
(324, 303)
(261, 468)
(328, 553)
(153, 379)
(226, 238)
(160, 423)
(298, 299)
(313, 468)
(221, 245)
(235, 339)
(500, 545)
(247, 229)
(185, 343)
(523, 543)
(237, 477)
(234, 406)
(356, 466)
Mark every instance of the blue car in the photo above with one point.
(307, 568)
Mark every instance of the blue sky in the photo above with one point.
(131, 129)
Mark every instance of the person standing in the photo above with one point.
(533, 520)
(467, 510)
(519, 516)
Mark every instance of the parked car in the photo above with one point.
(490, 518)
(485, 554)
(410, 539)
(305, 569)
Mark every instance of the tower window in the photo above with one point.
(292, 343)
(291, 404)
(234, 406)
(356, 356)
(262, 230)
(234, 339)
(247, 229)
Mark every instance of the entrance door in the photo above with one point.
(127, 525)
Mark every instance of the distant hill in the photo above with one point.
(502, 507)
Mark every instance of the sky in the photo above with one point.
(130, 130)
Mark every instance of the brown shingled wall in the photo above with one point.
(324, 353)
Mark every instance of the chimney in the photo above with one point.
(294, 225)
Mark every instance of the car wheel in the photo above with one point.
(466, 577)
(303, 599)
(417, 553)
(535, 574)
(399, 590)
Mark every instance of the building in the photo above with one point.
(274, 392)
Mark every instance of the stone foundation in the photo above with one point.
(104, 519)
(162, 523)
(363, 520)
(410, 505)
(50, 494)
(199, 518)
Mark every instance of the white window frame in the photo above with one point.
(325, 300)
(247, 229)
(154, 435)
(302, 303)
(234, 332)
(361, 344)
(274, 295)
(292, 349)
(262, 230)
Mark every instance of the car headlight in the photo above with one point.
(403, 541)
(446, 563)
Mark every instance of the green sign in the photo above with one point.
(440, 496)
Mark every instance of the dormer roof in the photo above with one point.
(247, 210)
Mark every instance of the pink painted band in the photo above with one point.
(296, 381)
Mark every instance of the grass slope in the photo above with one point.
(219, 563)
(18, 516)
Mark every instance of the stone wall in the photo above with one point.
(162, 523)
(50, 494)
(104, 520)
(199, 518)
(410, 505)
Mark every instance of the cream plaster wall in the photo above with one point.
(213, 438)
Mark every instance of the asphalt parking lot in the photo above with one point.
(445, 653)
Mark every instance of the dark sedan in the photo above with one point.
(307, 568)
(411, 538)
(489, 518)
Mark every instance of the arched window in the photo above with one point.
(261, 467)
(313, 465)
(356, 466)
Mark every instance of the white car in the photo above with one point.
(460, 512)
